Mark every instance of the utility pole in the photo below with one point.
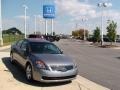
(103, 5)
(25, 20)
(84, 31)
(46, 27)
(1, 38)
(35, 24)
(52, 27)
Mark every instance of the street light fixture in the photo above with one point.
(25, 18)
(103, 5)
(1, 38)
(84, 20)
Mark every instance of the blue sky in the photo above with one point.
(68, 14)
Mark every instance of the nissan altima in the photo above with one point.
(42, 61)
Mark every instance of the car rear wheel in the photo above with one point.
(11, 58)
(29, 72)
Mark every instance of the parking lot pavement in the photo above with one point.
(12, 77)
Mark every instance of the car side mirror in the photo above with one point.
(61, 52)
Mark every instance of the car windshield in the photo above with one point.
(44, 48)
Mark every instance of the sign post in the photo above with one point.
(46, 28)
(48, 13)
(52, 27)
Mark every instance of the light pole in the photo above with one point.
(25, 20)
(84, 20)
(35, 23)
(40, 21)
(1, 38)
(46, 26)
(52, 27)
(76, 26)
(103, 5)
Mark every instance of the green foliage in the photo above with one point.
(8, 39)
(96, 35)
(75, 33)
(111, 31)
(12, 31)
(79, 33)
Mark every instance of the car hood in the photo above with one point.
(54, 59)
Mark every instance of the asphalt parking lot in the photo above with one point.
(100, 65)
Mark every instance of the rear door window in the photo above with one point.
(19, 43)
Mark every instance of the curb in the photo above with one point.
(116, 48)
(5, 47)
(89, 85)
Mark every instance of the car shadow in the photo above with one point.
(118, 57)
(19, 74)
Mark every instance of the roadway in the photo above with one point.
(101, 65)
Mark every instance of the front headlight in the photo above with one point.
(75, 65)
(40, 64)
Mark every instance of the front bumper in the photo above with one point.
(54, 76)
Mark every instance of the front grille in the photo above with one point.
(62, 68)
(58, 78)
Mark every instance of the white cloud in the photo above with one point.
(6, 21)
(78, 9)
(22, 17)
(75, 8)
(111, 14)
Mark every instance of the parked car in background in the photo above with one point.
(43, 61)
(118, 40)
(47, 37)
(52, 38)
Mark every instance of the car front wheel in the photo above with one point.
(29, 72)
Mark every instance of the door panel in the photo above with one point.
(23, 53)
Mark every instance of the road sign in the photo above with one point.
(49, 11)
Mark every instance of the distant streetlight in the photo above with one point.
(35, 24)
(46, 26)
(76, 26)
(52, 27)
(1, 38)
(84, 20)
(25, 18)
(103, 5)
(40, 20)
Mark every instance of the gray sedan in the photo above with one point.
(43, 61)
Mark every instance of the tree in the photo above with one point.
(80, 33)
(111, 31)
(96, 35)
(12, 31)
(75, 33)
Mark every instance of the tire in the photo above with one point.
(28, 72)
(11, 58)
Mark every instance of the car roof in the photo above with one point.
(37, 40)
